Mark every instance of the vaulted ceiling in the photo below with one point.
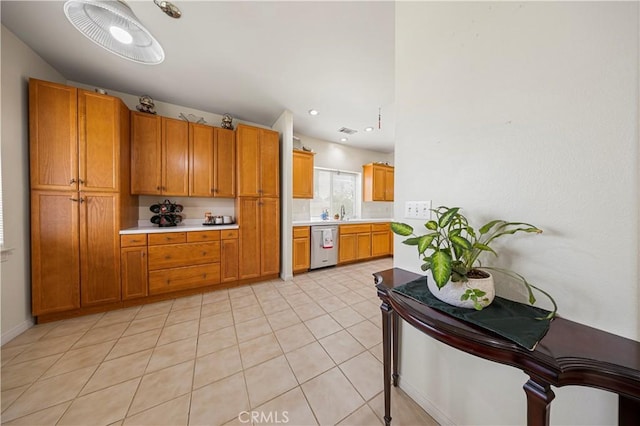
(250, 59)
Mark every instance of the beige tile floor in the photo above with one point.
(300, 352)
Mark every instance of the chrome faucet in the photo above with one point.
(342, 212)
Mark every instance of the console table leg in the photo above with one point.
(395, 335)
(539, 397)
(628, 411)
(386, 359)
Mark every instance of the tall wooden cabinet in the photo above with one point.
(258, 202)
(79, 158)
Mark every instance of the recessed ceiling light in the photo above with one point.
(368, 129)
(313, 112)
(344, 139)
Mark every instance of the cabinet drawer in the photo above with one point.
(380, 227)
(167, 238)
(229, 234)
(179, 255)
(355, 229)
(183, 278)
(197, 236)
(301, 232)
(133, 240)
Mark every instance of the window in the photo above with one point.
(333, 189)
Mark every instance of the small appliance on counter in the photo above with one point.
(167, 213)
(210, 219)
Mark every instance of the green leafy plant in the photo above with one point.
(451, 249)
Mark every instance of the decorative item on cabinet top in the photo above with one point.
(166, 213)
(146, 105)
(226, 121)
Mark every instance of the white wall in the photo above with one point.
(523, 111)
(19, 63)
(284, 126)
(342, 157)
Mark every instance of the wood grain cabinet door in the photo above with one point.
(201, 160)
(99, 248)
(133, 264)
(146, 154)
(229, 259)
(269, 236)
(302, 174)
(53, 136)
(389, 183)
(249, 226)
(98, 141)
(55, 255)
(380, 242)
(364, 245)
(225, 163)
(175, 157)
(269, 163)
(248, 161)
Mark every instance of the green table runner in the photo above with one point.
(514, 321)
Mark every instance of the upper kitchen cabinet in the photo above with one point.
(302, 174)
(159, 155)
(378, 180)
(258, 162)
(212, 161)
(74, 138)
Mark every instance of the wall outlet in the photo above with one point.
(417, 210)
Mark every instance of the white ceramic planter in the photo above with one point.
(452, 292)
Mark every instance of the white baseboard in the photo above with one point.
(424, 402)
(16, 331)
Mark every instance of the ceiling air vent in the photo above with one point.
(347, 130)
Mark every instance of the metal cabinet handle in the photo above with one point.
(72, 181)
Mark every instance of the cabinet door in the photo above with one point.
(364, 245)
(98, 141)
(249, 223)
(99, 248)
(379, 188)
(133, 264)
(389, 182)
(269, 236)
(229, 260)
(302, 174)
(175, 157)
(347, 249)
(201, 160)
(55, 255)
(225, 164)
(380, 243)
(146, 154)
(248, 161)
(53, 136)
(269, 163)
(301, 254)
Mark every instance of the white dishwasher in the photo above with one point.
(324, 246)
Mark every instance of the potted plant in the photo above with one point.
(451, 249)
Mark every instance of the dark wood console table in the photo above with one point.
(569, 354)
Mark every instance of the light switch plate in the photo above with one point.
(417, 209)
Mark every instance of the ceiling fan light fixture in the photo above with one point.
(113, 26)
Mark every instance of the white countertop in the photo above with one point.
(153, 229)
(338, 222)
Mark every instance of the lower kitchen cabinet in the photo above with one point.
(301, 248)
(259, 221)
(133, 266)
(354, 243)
(360, 242)
(189, 260)
(229, 248)
(380, 240)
